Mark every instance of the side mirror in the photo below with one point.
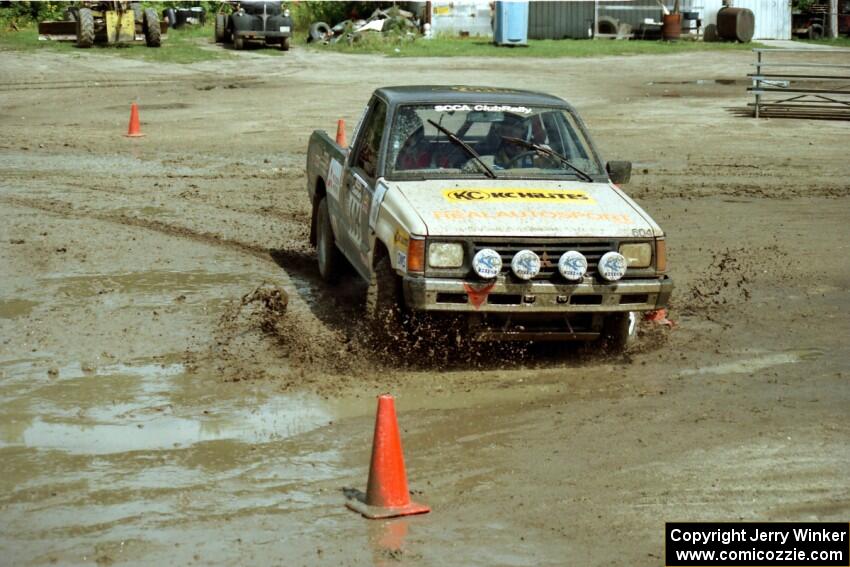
(620, 172)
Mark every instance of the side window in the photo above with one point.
(370, 140)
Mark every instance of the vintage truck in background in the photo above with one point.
(485, 205)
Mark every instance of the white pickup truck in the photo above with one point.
(487, 206)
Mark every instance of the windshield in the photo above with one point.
(503, 136)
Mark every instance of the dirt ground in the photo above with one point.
(155, 407)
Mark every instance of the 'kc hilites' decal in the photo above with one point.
(512, 195)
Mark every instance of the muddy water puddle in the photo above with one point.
(143, 407)
(13, 308)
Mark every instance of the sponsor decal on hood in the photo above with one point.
(524, 208)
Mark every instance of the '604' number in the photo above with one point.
(642, 232)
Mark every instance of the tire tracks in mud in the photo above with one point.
(248, 341)
(68, 210)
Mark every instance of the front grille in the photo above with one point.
(551, 251)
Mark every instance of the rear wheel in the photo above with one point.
(330, 259)
(815, 32)
(220, 25)
(284, 44)
(152, 30)
(85, 28)
(170, 16)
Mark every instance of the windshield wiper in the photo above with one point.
(465, 146)
(545, 150)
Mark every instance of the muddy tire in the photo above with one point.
(152, 30)
(238, 42)
(329, 257)
(85, 28)
(220, 27)
(284, 44)
(384, 301)
(618, 332)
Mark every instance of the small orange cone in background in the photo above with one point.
(134, 131)
(387, 495)
(340, 133)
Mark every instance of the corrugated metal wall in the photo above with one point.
(558, 20)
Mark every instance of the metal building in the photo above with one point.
(558, 20)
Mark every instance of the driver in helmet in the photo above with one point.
(512, 127)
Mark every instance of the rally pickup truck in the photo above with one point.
(486, 206)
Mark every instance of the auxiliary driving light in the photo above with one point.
(572, 265)
(487, 263)
(525, 264)
(612, 266)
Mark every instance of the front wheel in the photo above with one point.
(284, 44)
(330, 259)
(619, 331)
(238, 42)
(384, 299)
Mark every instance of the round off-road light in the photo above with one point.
(612, 266)
(525, 264)
(572, 265)
(487, 263)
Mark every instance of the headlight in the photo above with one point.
(612, 266)
(445, 255)
(286, 13)
(572, 265)
(487, 263)
(525, 264)
(638, 255)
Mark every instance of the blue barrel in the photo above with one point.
(511, 26)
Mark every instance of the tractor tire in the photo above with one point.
(329, 256)
(138, 13)
(384, 300)
(152, 30)
(85, 28)
(284, 44)
(238, 42)
(220, 27)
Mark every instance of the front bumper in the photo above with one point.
(256, 34)
(459, 296)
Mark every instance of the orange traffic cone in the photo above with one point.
(340, 133)
(134, 131)
(387, 495)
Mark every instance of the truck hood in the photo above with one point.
(493, 207)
